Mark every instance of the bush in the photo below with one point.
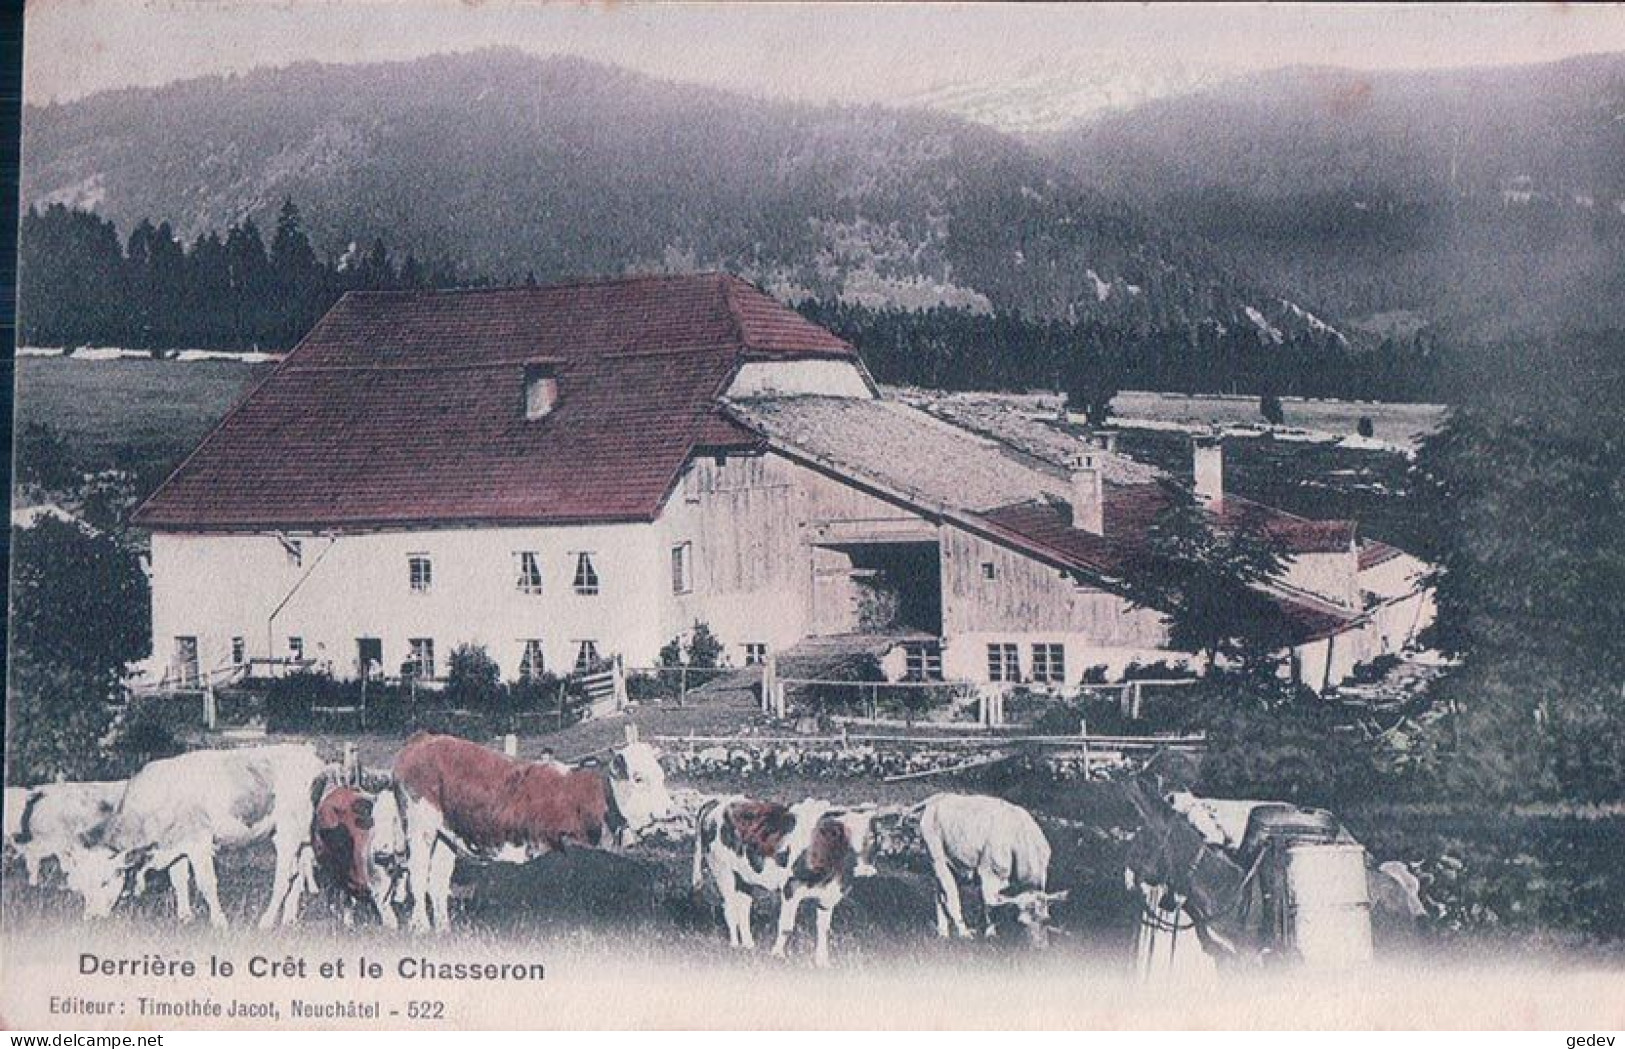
(56, 722)
(473, 680)
(703, 649)
(1364, 427)
(146, 731)
(289, 699)
(1272, 741)
(1269, 406)
(1161, 670)
(44, 459)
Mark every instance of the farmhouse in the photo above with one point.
(571, 472)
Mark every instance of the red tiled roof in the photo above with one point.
(1129, 512)
(406, 407)
(1045, 527)
(1297, 535)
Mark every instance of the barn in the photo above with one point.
(581, 470)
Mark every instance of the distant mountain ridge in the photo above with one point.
(1489, 201)
(516, 165)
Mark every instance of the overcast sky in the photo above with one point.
(849, 53)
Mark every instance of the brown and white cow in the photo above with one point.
(1002, 846)
(355, 845)
(44, 822)
(179, 811)
(810, 850)
(461, 799)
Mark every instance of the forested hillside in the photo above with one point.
(1486, 203)
(502, 166)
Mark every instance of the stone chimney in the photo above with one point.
(1088, 494)
(1207, 455)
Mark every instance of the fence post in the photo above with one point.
(211, 713)
(510, 745)
(1083, 730)
(350, 765)
(780, 703)
(769, 674)
(682, 684)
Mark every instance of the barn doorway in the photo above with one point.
(899, 588)
(878, 588)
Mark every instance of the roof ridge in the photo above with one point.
(497, 289)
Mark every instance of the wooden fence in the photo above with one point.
(990, 699)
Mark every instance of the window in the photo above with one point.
(296, 648)
(186, 661)
(586, 656)
(682, 569)
(294, 549)
(541, 390)
(755, 653)
(420, 573)
(527, 565)
(531, 663)
(990, 570)
(1049, 663)
(923, 661)
(239, 652)
(1003, 662)
(586, 578)
(420, 661)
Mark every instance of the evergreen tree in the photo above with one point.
(248, 270)
(1206, 577)
(1529, 499)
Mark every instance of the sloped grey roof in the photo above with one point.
(904, 450)
(1026, 432)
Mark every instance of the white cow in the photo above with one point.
(186, 807)
(45, 821)
(1002, 846)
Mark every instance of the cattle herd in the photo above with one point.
(449, 799)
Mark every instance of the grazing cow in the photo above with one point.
(354, 844)
(184, 808)
(46, 821)
(460, 798)
(810, 850)
(1395, 890)
(1002, 846)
